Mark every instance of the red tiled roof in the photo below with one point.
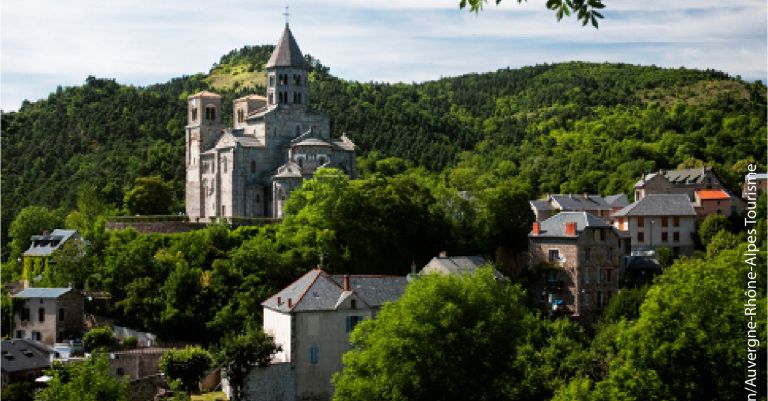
(712, 194)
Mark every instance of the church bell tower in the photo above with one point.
(287, 85)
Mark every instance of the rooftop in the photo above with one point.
(287, 52)
(555, 225)
(573, 202)
(659, 205)
(681, 176)
(712, 194)
(19, 355)
(44, 245)
(317, 290)
(42, 292)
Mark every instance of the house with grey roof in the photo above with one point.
(595, 204)
(48, 315)
(24, 360)
(42, 248)
(311, 320)
(577, 256)
(659, 220)
(457, 265)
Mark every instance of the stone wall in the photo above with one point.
(157, 226)
(272, 383)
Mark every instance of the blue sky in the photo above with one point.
(45, 43)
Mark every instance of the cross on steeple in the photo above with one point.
(286, 14)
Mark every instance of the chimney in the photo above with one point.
(570, 228)
(279, 301)
(443, 254)
(536, 228)
(346, 283)
(585, 195)
(413, 267)
(290, 303)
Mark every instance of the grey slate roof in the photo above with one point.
(681, 176)
(619, 200)
(555, 225)
(19, 355)
(579, 202)
(44, 245)
(288, 170)
(659, 205)
(541, 205)
(286, 53)
(313, 142)
(42, 292)
(318, 291)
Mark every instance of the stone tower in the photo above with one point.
(203, 129)
(287, 75)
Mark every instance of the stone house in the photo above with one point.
(24, 360)
(685, 181)
(49, 315)
(277, 141)
(595, 204)
(659, 220)
(580, 256)
(311, 320)
(712, 201)
(136, 363)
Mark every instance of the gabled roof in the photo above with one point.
(541, 205)
(680, 176)
(317, 291)
(555, 225)
(659, 205)
(571, 202)
(619, 200)
(204, 94)
(287, 52)
(44, 245)
(18, 355)
(42, 292)
(712, 194)
(288, 170)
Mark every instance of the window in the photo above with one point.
(296, 79)
(664, 236)
(36, 336)
(194, 114)
(283, 79)
(313, 351)
(554, 255)
(587, 254)
(676, 221)
(223, 210)
(676, 236)
(25, 314)
(21, 333)
(271, 99)
(640, 237)
(353, 304)
(600, 299)
(352, 321)
(240, 115)
(299, 96)
(271, 81)
(607, 275)
(640, 222)
(120, 371)
(41, 314)
(224, 164)
(610, 254)
(61, 314)
(253, 166)
(210, 113)
(599, 277)
(298, 130)
(664, 220)
(586, 278)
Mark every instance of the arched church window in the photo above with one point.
(194, 114)
(224, 164)
(210, 113)
(296, 79)
(240, 115)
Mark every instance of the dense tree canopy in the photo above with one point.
(88, 380)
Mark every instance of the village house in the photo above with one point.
(579, 255)
(686, 181)
(49, 315)
(42, 248)
(658, 220)
(24, 360)
(712, 201)
(595, 204)
(311, 320)
(456, 265)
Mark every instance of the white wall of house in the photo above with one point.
(278, 324)
(653, 233)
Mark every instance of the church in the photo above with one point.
(277, 141)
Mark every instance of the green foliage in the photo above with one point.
(625, 305)
(20, 391)
(722, 241)
(99, 338)
(32, 220)
(451, 337)
(89, 380)
(149, 195)
(130, 342)
(711, 225)
(188, 365)
(240, 353)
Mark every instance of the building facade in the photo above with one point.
(277, 141)
(311, 320)
(580, 256)
(659, 220)
(49, 315)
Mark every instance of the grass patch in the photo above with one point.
(229, 76)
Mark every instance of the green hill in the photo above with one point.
(564, 127)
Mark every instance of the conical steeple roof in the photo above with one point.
(287, 53)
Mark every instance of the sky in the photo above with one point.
(47, 43)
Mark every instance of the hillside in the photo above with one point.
(565, 127)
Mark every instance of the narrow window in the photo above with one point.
(194, 114)
(298, 130)
(610, 254)
(271, 99)
(25, 314)
(253, 166)
(36, 336)
(676, 221)
(640, 222)
(676, 236)
(271, 81)
(313, 351)
(61, 314)
(640, 237)
(20, 333)
(41, 314)
(240, 115)
(554, 255)
(664, 236)
(587, 254)
(664, 221)
(299, 102)
(353, 304)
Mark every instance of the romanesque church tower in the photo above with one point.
(277, 141)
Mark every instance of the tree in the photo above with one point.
(89, 380)
(458, 338)
(188, 365)
(100, 337)
(19, 391)
(711, 225)
(240, 353)
(585, 10)
(149, 195)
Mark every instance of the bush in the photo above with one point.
(187, 365)
(100, 337)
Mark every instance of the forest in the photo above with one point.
(446, 165)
